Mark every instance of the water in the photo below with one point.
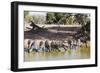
(70, 54)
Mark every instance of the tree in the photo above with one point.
(81, 18)
(27, 17)
(50, 17)
(69, 19)
(25, 13)
(84, 32)
(60, 18)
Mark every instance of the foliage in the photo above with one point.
(50, 17)
(25, 13)
(39, 19)
(27, 17)
(59, 18)
(84, 32)
(82, 18)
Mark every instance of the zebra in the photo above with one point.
(47, 46)
(32, 46)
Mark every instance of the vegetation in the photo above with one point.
(58, 18)
(37, 19)
(67, 18)
(28, 18)
(84, 32)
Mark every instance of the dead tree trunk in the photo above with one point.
(34, 26)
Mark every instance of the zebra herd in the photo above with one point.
(51, 45)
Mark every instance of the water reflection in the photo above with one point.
(80, 53)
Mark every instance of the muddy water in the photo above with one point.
(81, 53)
